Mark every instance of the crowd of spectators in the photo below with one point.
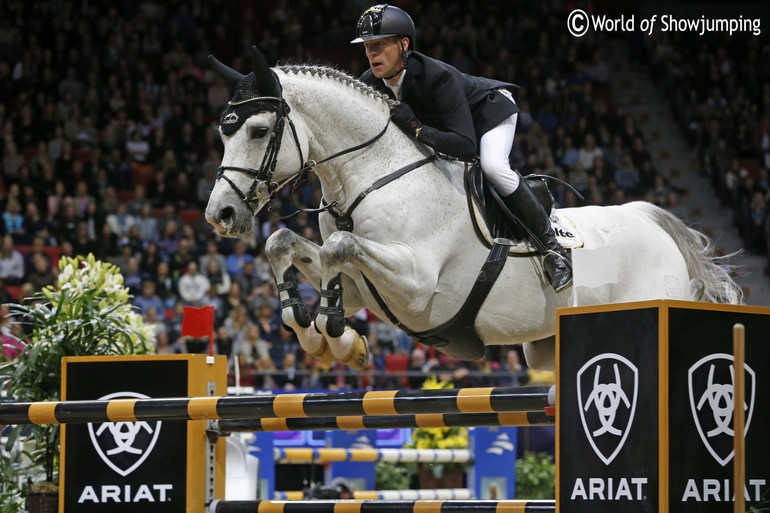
(108, 145)
(719, 92)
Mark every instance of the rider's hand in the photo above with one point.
(403, 117)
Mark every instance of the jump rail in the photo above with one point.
(430, 420)
(391, 495)
(329, 454)
(392, 402)
(376, 506)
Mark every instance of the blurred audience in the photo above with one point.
(108, 144)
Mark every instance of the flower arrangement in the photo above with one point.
(440, 438)
(86, 313)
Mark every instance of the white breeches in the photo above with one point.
(495, 147)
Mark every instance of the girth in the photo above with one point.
(458, 337)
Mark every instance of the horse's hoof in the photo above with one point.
(358, 358)
(324, 355)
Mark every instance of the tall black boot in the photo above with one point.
(524, 205)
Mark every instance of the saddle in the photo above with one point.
(481, 191)
(491, 220)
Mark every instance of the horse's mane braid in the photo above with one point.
(341, 77)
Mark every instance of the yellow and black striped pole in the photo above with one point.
(428, 420)
(390, 495)
(393, 402)
(329, 454)
(378, 506)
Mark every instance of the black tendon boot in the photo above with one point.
(523, 203)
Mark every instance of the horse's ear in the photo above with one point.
(231, 77)
(267, 82)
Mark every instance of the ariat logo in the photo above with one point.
(711, 383)
(124, 446)
(230, 119)
(607, 388)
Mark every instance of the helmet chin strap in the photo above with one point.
(395, 74)
(403, 59)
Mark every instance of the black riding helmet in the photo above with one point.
(384, 20)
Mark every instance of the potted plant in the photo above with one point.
(535, 476)
(440, 475)
(87, 313)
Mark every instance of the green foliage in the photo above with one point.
(394, 476)
(87, 314)
(763, 506)
(535, 476)
(11, 497)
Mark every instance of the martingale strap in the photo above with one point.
(458, 337)
(344, 221)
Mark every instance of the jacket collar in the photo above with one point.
(414, 68)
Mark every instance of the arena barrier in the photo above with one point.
(431, 420)
(393, 402)
(391, 495)
(367, 506)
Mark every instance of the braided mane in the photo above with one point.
(340, 77)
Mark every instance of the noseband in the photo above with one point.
(263, 186)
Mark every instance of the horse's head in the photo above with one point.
(253, 129)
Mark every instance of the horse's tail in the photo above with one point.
(697, 250)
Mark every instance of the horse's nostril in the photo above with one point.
(227, 214)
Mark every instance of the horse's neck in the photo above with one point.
(338, 118)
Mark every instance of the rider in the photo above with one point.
(456, 114)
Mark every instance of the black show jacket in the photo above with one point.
(456, 109)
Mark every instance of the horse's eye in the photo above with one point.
(257, 132)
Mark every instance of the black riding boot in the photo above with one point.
(523, 203)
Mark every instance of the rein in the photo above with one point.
(263, 186)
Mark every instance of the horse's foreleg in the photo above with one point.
(286, 249)
(406, 281)
(393, 270)
(347, 345)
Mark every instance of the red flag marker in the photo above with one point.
(199, 322)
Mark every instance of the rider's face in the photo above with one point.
(385, 56)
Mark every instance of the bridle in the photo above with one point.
(263, 186)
